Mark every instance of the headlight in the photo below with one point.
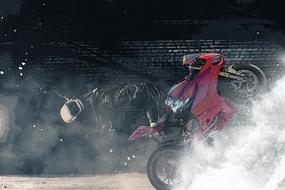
(177, 105)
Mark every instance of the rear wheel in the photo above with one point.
(163, 167)
(253, 83)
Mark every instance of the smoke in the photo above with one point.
(4, 123)
(250, 156)
(35, 141)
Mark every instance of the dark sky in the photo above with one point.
(9, 7)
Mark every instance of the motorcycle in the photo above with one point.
(197, 111)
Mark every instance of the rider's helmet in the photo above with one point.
(71, 109)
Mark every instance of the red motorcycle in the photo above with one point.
(195, 111)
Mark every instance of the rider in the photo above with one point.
(106, 103)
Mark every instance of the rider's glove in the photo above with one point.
(153, 124)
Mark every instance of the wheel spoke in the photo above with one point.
(166, 168)
(165, 179)
(172, 180)
(248, 85)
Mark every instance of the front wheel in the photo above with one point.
(163, 167)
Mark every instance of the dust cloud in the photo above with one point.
(245, 156)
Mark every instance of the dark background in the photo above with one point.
(76, 45)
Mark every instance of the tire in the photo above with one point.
(174, 151)
(255, 82)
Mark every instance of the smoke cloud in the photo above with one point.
(35, 141)
(250, 156)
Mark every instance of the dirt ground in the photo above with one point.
(129, 181)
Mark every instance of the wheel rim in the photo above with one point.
(167, 165)
(248, 85)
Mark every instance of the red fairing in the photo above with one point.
(209, 108)
(183, 90)
(142, 131)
